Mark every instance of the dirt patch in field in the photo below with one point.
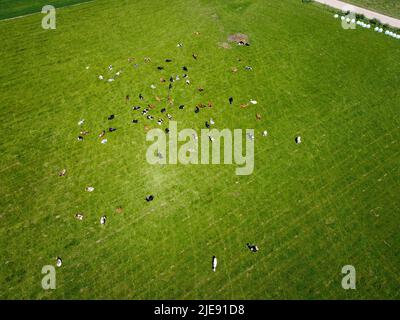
(224, 45)
(239, 38)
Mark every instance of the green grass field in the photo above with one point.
(388, 7)
(15, 8)
(311, 208)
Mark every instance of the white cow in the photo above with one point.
(79, 216)
(103, 220)
(214, 263)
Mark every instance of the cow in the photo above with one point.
(252, 247)
(103, 220)
(214, 263)
(79, 216)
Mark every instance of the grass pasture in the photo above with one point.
(311, 208)
(388, 7)
(15, 8)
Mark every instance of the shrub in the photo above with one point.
(360, 16)
(375, 22)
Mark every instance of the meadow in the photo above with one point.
(311, 208)
(388, 7)
(16, 8)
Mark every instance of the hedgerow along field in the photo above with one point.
(311, 208)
